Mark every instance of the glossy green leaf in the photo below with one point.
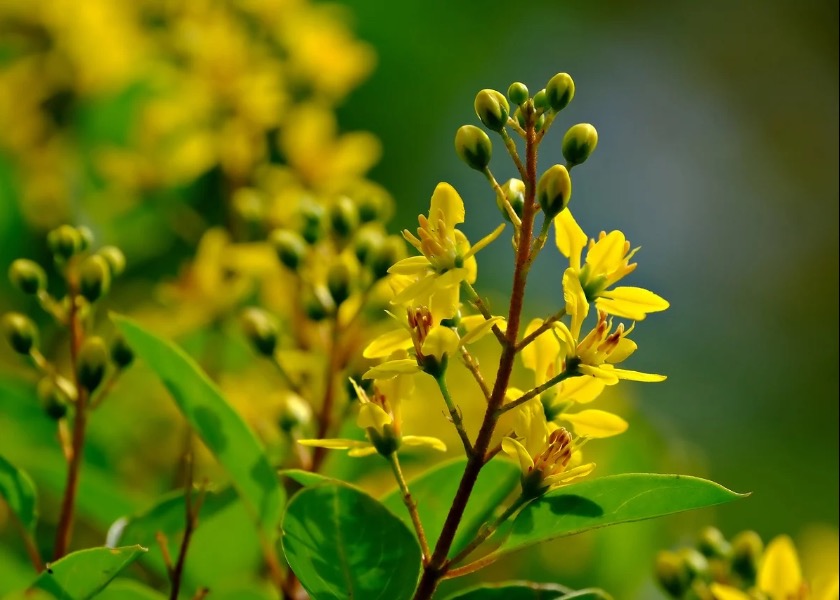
(526, 590)
(610, 500)
(126, 589)
(83, 574)
(17, 489)
(341, 543)
(216, 422)
(434, 491)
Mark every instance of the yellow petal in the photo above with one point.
(397, 389)
(444, 302)
(422, 440)
(373, 415)
(478, 328)
(827, 588)
(780, 575)
(565, 338)
(630, 302)
(635, 375)
(725, 592)
(446, 202)
(569, 237)
(512, 394)
(540, 354)
(421, 287)
(387, 343)
(596, 423)
(413, 265)
(622, 351)
(576, 303)
(362, 451)
(606, 375)
(517, 451)
(607, 254)
(485, 241)
(392, 368)
(566, 476)
(334, 444)
(360, 393)
(581, 389)
(440, 341)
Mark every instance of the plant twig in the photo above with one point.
(454, 414)
(411, 505)
(544, 326)
(514, 154)
(538, 390)
(472, 367)
(330, 376)
(489, 530)
(191, 511)
(485, 312)
(29, 544)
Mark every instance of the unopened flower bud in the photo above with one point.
(20, 332)
(53, 398)
(492, 109)
(694, 562)
(121, 352)
(559, 91)
(372, 203)
(554, 190)
(294, 413)
(318, 304)
(344, 217)
(671, 573)
(538, 124)
(541, 100)
(64, 241)
(366, 240)
(86, 237)
(114, 257)
(92, 362)
(290, 247)
(312, 217)
(339, 281)
(94, 277)
(712, 544)
(385, 255)
(473, 146)
(747, 549)
(514, 190)
(27, 276)
(579, 142)
(261, 330)
(518, 93)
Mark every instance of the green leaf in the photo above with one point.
(126, 589)
(18, 491)
(610, 500)
(306, 478)
(526, 590)
(434, 491)
(216, 422)
(341, 543)
(82, 575)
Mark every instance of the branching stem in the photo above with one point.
(411, 505)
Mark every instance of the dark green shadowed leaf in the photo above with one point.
(341, 543)
(526, 590)
(608, 501)
(216, 422)
(17, 489)
(434, 491)
(83, 574)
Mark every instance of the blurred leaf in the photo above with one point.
(85, 573)
(216, 422)
(434, 491)
(17, 489)
(126, 589)
(610, 500)
(306, 478)
(341, 543)
(526, 590)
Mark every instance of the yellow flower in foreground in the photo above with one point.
(381, 423)
(607, 261)
(780, 577)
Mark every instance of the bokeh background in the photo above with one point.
(718, 154)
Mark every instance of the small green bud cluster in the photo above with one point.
(687, 572)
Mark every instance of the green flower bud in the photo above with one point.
(294, 413)
(312, 217)
(27, 276)
(290, 247)
(318, 304)
(366, 241)
(694, 562)
(64, 241)
(473, 146)
(514, 190)
(554, 190)
(671, 573)
(114, 257)
(492, 109)
(382, 258)
(386, 441)
(94, 277)
(344, 217)
(559, 91)
(86, 237)
(53, 398)
(538, 124)
(712, 544)
(121, 353)
(518, 93)
(579, 142)
(20, 332)
(261, 330)
(747, 549)
(92, 362)
(541, 100)
(339, 281)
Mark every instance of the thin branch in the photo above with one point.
(489, 530)
(544, 326)
(411, 505)
(191, 512)
(471, 567)
(28, 543)
(454, 414)
(538, 390)
(163, 544)
(325, 414)
(485, 312)
(104, 391)
(472, 366)
(511, 148)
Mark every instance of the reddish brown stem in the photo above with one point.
(325, 416)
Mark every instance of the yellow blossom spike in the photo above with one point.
(422, 440)
(780, 575)
(630, 302)
(596, 423)
(485, 241)
(569, 237)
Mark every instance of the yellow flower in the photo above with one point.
(446, 258)
(607, 261)
(544, 451)
(780, 577)
(380, 418)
